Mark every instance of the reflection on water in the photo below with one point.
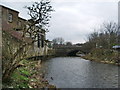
(75, 72)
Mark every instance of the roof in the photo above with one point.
(22, 19)
(9, 8)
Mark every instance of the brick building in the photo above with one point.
(13, 24)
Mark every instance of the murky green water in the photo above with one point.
(75, 72)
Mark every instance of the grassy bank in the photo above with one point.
(28, 76)
(103, 56)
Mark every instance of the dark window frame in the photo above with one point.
(10, 17)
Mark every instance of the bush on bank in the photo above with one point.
(103, 55)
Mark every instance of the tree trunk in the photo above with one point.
(8, 72)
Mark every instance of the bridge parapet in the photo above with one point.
(66, 50)
(67, 47)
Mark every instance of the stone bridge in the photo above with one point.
(67, 50)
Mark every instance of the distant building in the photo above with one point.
(13, 24)
(117, 47)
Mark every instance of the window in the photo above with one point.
(39, 40)
(42, 41)
(19, 23)
(10, 17)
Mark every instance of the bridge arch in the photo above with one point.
(74, 52)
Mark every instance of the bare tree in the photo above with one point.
(58, 40)
(105, 37)
(110, 30)
(40, 13)
(40, 16)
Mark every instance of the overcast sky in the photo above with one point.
(73, 19)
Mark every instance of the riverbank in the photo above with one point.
(103, 56)
(28, 75)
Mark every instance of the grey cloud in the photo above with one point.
(74, 20)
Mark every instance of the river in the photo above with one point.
(75, 72)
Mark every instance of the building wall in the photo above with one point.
(5, 21)
(21, 23)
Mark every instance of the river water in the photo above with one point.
(75, 72)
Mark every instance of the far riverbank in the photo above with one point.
(103, 56)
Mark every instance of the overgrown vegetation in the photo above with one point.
(99, 46)
(103, 55)
(28, 76)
